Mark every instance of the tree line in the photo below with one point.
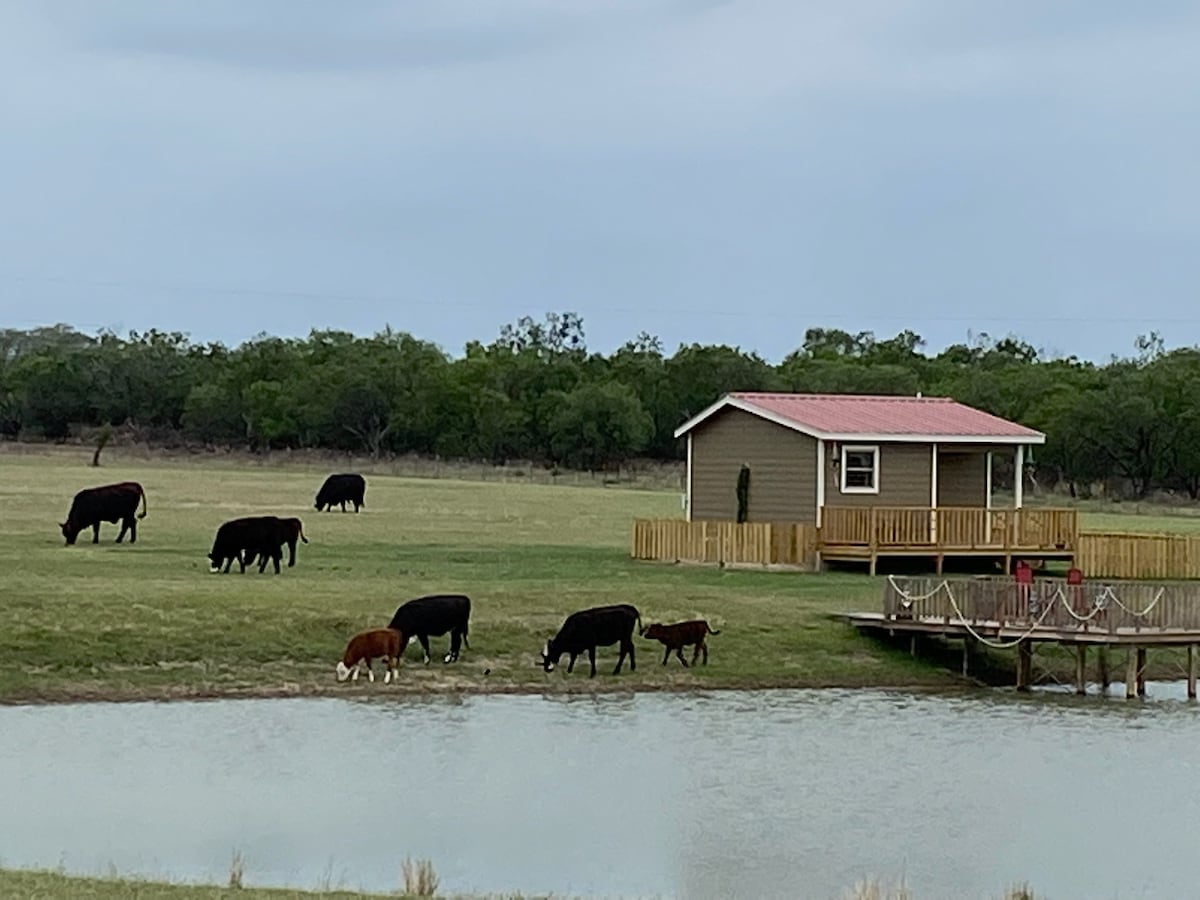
(536, 393)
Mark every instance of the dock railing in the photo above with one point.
(1003, 602)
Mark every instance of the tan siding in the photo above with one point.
(962, 478)
(783, 465)
(904, 478)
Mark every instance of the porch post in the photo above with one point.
(1019, 477)
(987, 517)
(933, 495)
(688, 495)
(820, 480)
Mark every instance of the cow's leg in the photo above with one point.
(679, 653)
(276, 558)
(455, 645)
(571, 664)
(592, 660)
(701, 647)
(666, 654)
(424, 639)
(132, 530)
(124, 528)
(96, 533)
(403, 643)
(343, 506)
(357, 669)
(632, 659)
(262, 563)
(370, 671)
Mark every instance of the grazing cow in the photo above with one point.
(110, 503)
(676, 637)
(289, 531)
(255, 536)
(592, 628)
(378, 643)
(343, 489)
(434, 615)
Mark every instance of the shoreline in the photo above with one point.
(179, 694)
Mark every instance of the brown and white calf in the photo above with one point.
(676, 637)
(378, 643)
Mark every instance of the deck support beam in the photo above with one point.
(1024, 665)
(1102, 666)
(1141, 664)
(968, 647)
(1081, 669)
(1135, 676)
(1191, 672)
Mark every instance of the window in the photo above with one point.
(860, 470)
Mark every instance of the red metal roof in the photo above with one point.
(849, 415)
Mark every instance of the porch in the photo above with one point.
(873, 533)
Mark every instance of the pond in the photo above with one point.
(752, 794)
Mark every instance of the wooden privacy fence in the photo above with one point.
(1116, 555)
(761, 543)
(1047, 603)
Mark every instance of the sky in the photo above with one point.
(711, 171)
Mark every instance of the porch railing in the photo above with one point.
(950, 528)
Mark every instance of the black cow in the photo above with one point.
(255, 536)
(434, 615)
(290, 530)
(588, 629)
(343, 489)
(110, 503)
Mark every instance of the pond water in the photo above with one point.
(727, 794)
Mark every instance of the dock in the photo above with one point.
(1009, 613)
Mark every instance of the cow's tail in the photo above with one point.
(641, 627)
(466, 626)
(711, 630)
(145, 507)
(300, 528)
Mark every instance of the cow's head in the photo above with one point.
(343, 671)
(70, 531)
(214, 562)
(652, 632)
(550, 656)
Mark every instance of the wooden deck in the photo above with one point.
(873, 533)
(1002, 613)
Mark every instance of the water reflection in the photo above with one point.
(764, 794)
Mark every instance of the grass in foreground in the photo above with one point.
(37, 885)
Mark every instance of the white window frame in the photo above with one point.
(846, 450)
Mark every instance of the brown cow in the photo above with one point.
(676, 637)
(378, 643)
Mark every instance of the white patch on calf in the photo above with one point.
(387, 676)
(342, 672)
(371, 675)
(396, 674)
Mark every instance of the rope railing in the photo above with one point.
(1037, 603)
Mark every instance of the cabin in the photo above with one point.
(877, 476)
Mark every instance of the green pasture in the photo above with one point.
(149, 620)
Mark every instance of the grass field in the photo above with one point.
(149, 621)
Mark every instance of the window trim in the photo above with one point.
(846, 450)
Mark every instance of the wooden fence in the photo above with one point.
(1118, 555)
(1097, 555)
(753, 543)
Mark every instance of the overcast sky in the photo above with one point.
(720, 172)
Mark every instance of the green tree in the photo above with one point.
(598, 425)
